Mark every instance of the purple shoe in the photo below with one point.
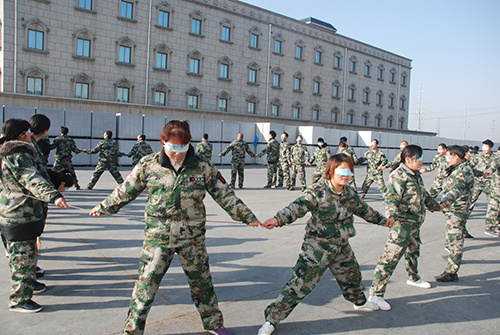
(220, 331)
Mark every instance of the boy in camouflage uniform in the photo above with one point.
(140, 149)
(479, 163)
(175, 223)
(284, 162)
(344, 148)
(272, 150)
(108, 156)
(376, 160)
(321, 155)
(63, 156)
(238, 148)
(332, 205)
(299, 155)
(457, 192)
(406, 200)
(439, 165)
(204, 148)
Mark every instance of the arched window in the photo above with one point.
(193, 98)
(160, 94)
(36, 36)
(393, 76)
(402, 123)
(317, 85)
(127, 10)
(165, 16)
(390, 121)
(82, 86)
(125, 51)
(253, 74)
(366, 95)
(297, 82)
(350, 116)
(404, 76)
(336, 89)
(368, 68)
(223, 101)
(380, 74)
(296, 110)
(224, 68)
(278, 44)
(83, 44)
(335, 115)
(195, 63)
(275, 107)
(227, 28)
(352, 93)
(254, 38)
(318, 55)
(162, 53)
(337, 60)
(391, 101)
(277, 74)
(197, 23)
(352, 64)
(365, 119)
(252, 104)
(378, 120)
(123, 89)
(316, 110)
(34, 81)
(402, 103)
(380, 96)
(299, 49)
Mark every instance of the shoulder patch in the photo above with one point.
(220, 177)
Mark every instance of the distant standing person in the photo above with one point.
(284, 164)
(376, 160)
(272, 150)
(40, 125)
(108, 156)
(238, 148)
(321, 155)
(140, 149)
(204, 148)
(299, 155)
(439, 165)
(345, 148)
(63, 156)
(396, 160)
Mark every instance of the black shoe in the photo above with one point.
(39, 272)
(241, 186)
(267, 186)
(28, 307)
(39, 287)
(89, 187)
(447, 277)
(77, 187)
(468, 235)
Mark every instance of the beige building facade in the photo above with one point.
(208, 58)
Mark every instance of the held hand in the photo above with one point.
(82, 150)
(270, 223)
(256, 156)
(256, 223)
(382, 167)
(94, 212)
(487, 174)
(61, 202)
(389, 223)
(443, 206)
(422, 171)
(219, 155)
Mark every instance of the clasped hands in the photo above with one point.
(269, 223)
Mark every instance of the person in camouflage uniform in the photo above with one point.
(204, 148)
(492, 224)
(344, 148)
(40, 125)
(320, 155)
(63, 156)
(23, 208)
(140, 149)
(376, 160)
(108, 156)
(479, 163)
(238, 148)
(439, 165)
(406, 200)
(177, 181)
(332, 205)
(299, 156)
(457, 192)
(272, 150)
(284, 162)
(396, 160)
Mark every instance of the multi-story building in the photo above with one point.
(212, 56)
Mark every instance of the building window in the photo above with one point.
(161, 60)
(252, 76)
(336, 60)
(85, 4)
(223, 101)
(296, 113)
(298, 83)
(336, 89)
(391, 101)
(379, 98)
(318, 52)
(222, 105)
(250, 107)
(378, 121)
(160, 99)
(195, 63)
(224, 65)
(35, 39)
(366, 95)
(335, 115)
(367, 70)
(402, 103)
(277, 47)
(352, 64)
(403, 79)
(389, 122)
(82, 47)
(226, 34)
(254, 40)
(36, 36)
(317, 86)
(126, 9)
(364, 119)
(34, 86)
(278, 44)
(380, 75)
(193, 96)
(352, 93)
(350, 118)
(315, 114)
(81, 91)
(122, 94)
(124, 54)
(163, 19)
(196, 26)
(401, 124)
(276, 80)
(275, 107)
(298, 52)
(393, 76)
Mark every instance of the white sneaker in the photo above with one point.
(381, 303)
(419, 283)
(367, 307)
(266, 329)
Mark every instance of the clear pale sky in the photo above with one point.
(454, 47)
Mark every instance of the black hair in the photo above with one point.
(64, 130)
(205, 136)
(272, 133)
(343, 139)
(375, 140)
(12, 128)
(320, 139)
(285, 133)
(343, 144)
(442, 145)
(142, 137)
(456, 150)
(410, 151)
(39, 123)
(109, 133)
(489, 143)
(58, 177)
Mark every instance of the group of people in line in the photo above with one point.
(178, 178)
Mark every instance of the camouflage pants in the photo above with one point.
(314, 259)
(404, 239)
(298, 170)
(370, 178)
(479, 187)
(154, 263)
(22, 263)
(493, 213)
(437, 187)
(318, 173)
(99, 170)
(272, 169)
(66, 165)
(455, 223)
(237, 169)
(284, 174)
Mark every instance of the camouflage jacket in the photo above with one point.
(139, 150)
(349, 151)
(108, 151)
(204, 150)
(299, 154)
(238, 148)
(479, 164)
(457, 187)
(406, 197)
(175, 213)
(64, 146)
(439, 164)
(494, 168)
(395, 161)
(40, 165)
(272, 150)
(285, 155)
(374, 159)
(331, 212)
(21, 181)
(321, 156)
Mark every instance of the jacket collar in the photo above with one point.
(189, 161)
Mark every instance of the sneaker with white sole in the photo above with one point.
(380, 302)
(419, 283)
(367, 307)
(266, 329)
(28, 307)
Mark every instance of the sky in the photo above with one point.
(454, 47)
